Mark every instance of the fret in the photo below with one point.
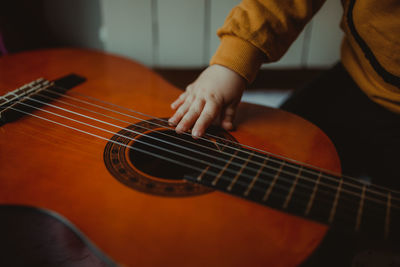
(295, 188)
(335, 202)
(324, 197)
(393, 220)
(387, 218)
(263, 172)
(291, 189)
(312, 197)
(19, 93)
(347, 205)
(247, 167)
(289, 196)
(229, 188)
(373, 219)
(9, 97)
(301, 190)
(360, 209)
(268, 192)
(250, 186)
(216, 179)
(221, 173)
(234, 174)
(202, 174)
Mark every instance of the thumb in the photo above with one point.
(227, 117)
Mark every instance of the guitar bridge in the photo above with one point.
(12, 101)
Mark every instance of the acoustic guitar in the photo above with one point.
(95, 147)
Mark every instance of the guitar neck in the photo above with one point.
(339, 201)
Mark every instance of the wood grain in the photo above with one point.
(48, 166)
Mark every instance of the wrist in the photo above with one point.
(240, 56)
(230, 75)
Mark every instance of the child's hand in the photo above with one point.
(217, 91)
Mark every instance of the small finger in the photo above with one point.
(207, 115)
(176, 118)
(190, 117)
(227, 118)
(178, 101)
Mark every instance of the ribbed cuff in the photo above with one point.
(239, 56)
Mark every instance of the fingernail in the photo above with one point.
(178, 130)
(228, 126)
(196, 134)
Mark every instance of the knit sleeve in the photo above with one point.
(260, 31)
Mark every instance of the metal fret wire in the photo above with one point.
(324, 175)
(150, 153)
(207, 163)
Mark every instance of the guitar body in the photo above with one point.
(55, 168)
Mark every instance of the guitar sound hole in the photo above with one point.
(140, 155)
(162, 147)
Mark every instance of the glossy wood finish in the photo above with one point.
(51, 167)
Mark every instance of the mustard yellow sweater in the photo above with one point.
(259, 31)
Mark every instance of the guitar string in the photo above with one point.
(185, 148)
(262, 190)
(174, 144)
(315, 170)
(291, 161)
(272, 167)
(194, 151)
(176, 153)
(131, 147)
(221, 138)
(208, 147)
(154, 138)
(218, 158)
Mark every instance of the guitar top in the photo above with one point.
(92, 154)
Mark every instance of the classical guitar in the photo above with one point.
(94, 146)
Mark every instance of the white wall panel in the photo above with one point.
(326, 35)
(127, 29)
(181, 33)
(219, 10)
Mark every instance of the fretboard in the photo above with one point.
(341, 202)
